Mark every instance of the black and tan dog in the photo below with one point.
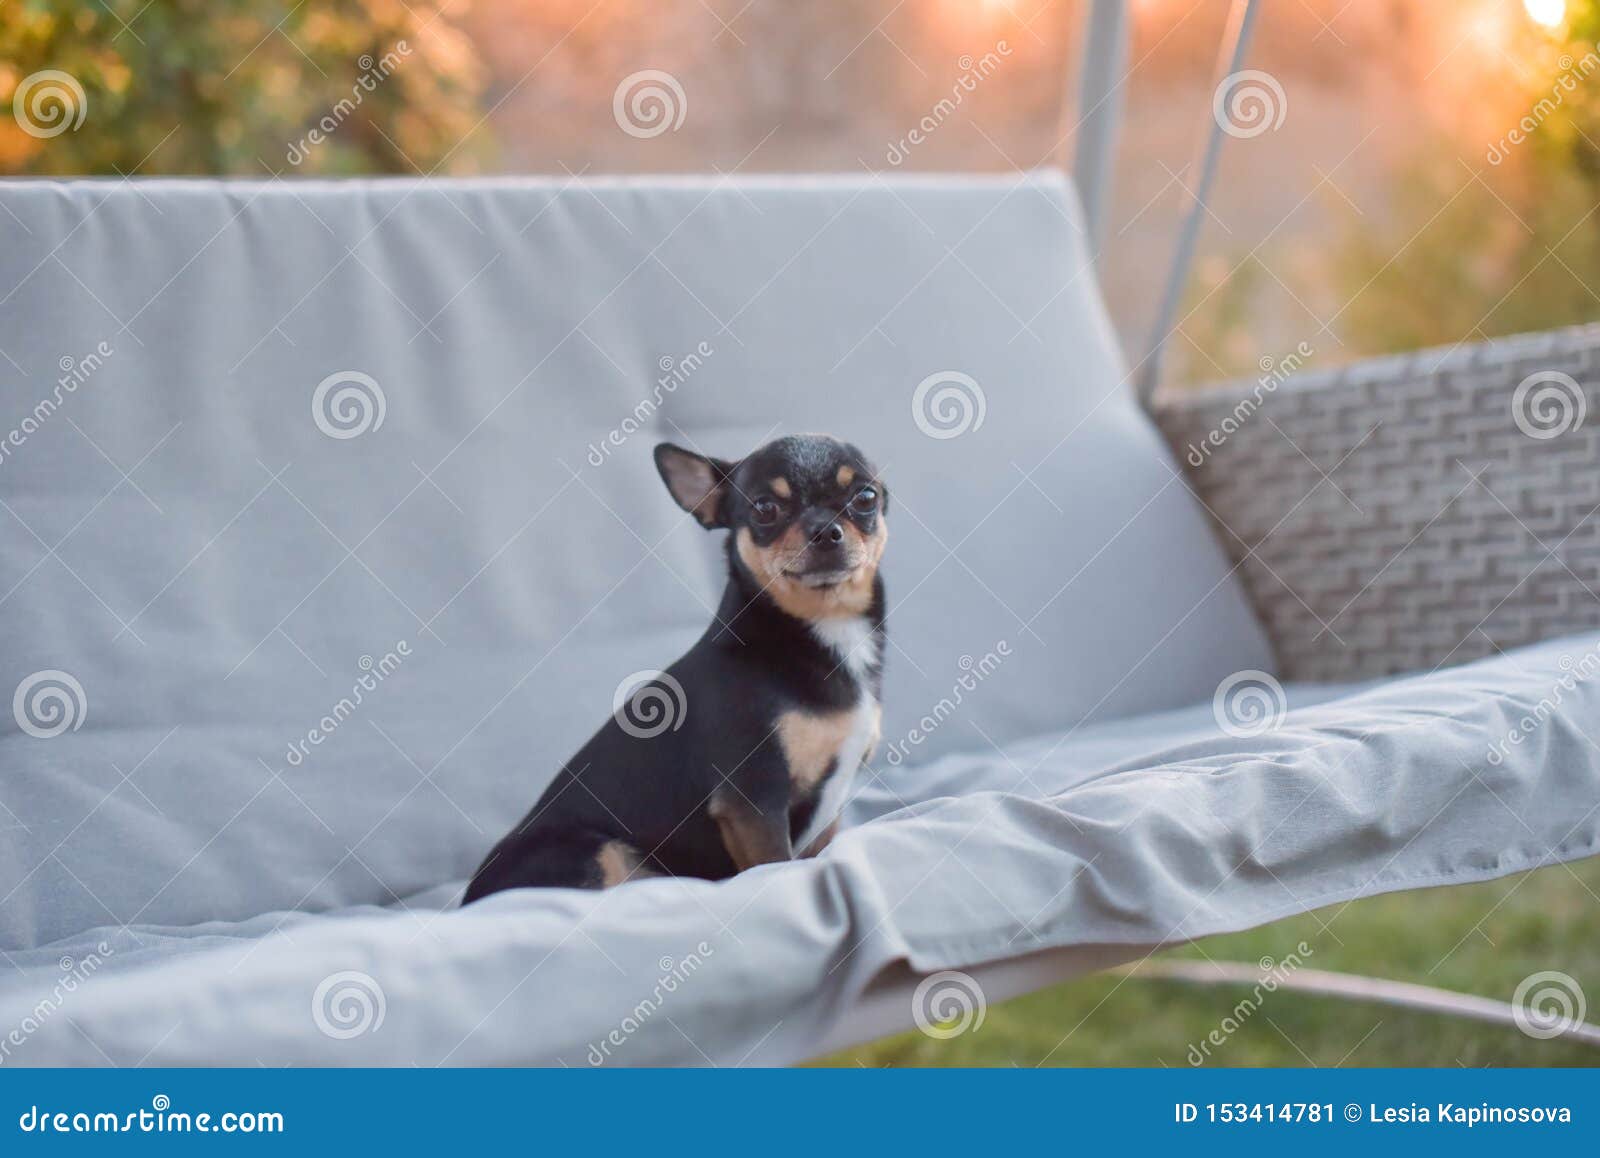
(755, 733)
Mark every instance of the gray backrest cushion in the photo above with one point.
(322, 669)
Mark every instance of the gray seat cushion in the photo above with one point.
(1088, 846)
(212, 536)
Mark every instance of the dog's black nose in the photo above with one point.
(823, 530)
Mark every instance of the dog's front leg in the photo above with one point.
(752, 834)
(821, 840)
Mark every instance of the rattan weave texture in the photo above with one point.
(1408, 512)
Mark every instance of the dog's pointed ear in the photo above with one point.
(697, 483)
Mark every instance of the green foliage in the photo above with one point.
(1466, 260)
(1514, 249)
(237, 86)
(1473, 238)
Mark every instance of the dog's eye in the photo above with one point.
(765, 512)
(865, 501)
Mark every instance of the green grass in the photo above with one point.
(1481, 939)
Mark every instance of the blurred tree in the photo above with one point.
(239, 87)
(1492, 237)
(1488, 226)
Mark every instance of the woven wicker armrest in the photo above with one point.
(1408, 512)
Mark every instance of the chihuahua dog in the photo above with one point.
(767, 717)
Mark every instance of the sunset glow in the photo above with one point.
(1549, 13)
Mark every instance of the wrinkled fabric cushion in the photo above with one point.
(356, 416)
(1134, 833)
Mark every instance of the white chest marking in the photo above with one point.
(853, 642)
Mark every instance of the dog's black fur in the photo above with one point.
(748, 764)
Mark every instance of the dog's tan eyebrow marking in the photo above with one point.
(780, 487)
(846, 476)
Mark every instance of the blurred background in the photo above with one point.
(1434, 179)
(1389, 210)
